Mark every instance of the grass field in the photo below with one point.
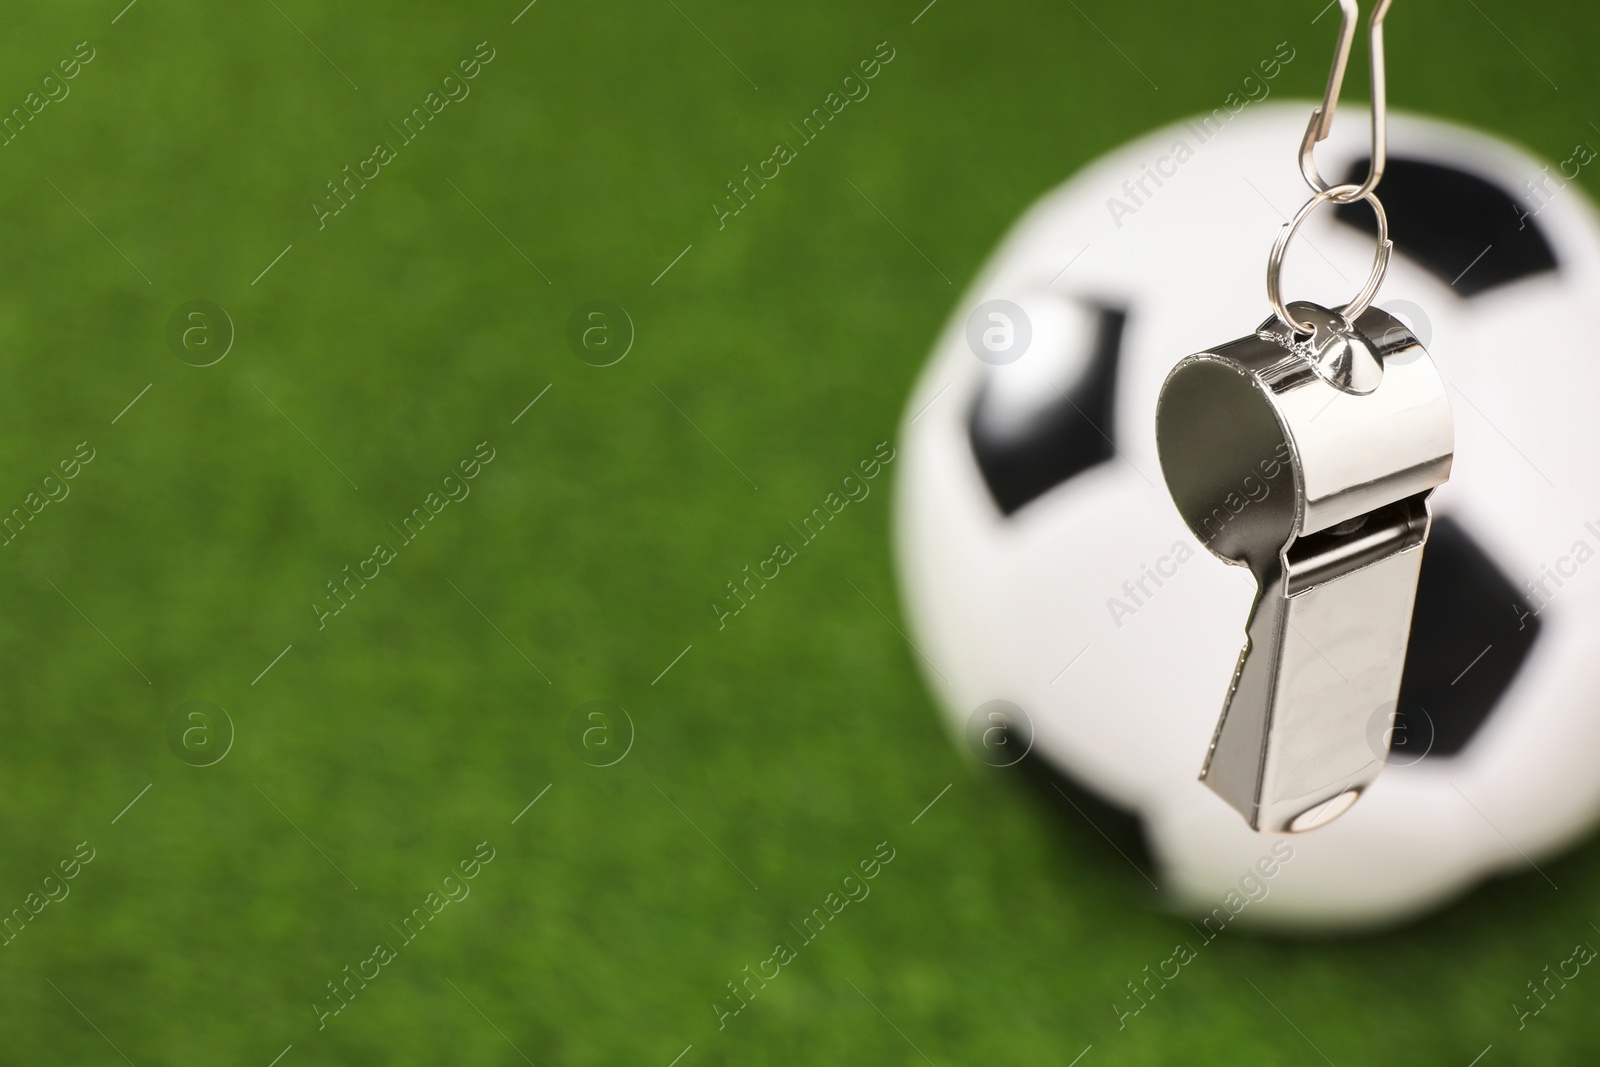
(378, 348)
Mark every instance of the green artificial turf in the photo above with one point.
(394, 338)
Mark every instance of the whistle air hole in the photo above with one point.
(1226, 461)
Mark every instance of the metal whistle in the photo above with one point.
(1309, 458)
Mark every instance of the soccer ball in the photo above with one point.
(1068, 621)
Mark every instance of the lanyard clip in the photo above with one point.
(1322, 116)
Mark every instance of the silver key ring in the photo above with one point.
(1380, 262)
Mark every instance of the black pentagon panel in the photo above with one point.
(1069, 433)
(1470, 633)
(1466, 231)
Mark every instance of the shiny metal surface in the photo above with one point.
(1309, 459)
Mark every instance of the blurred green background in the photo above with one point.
(378, 352)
